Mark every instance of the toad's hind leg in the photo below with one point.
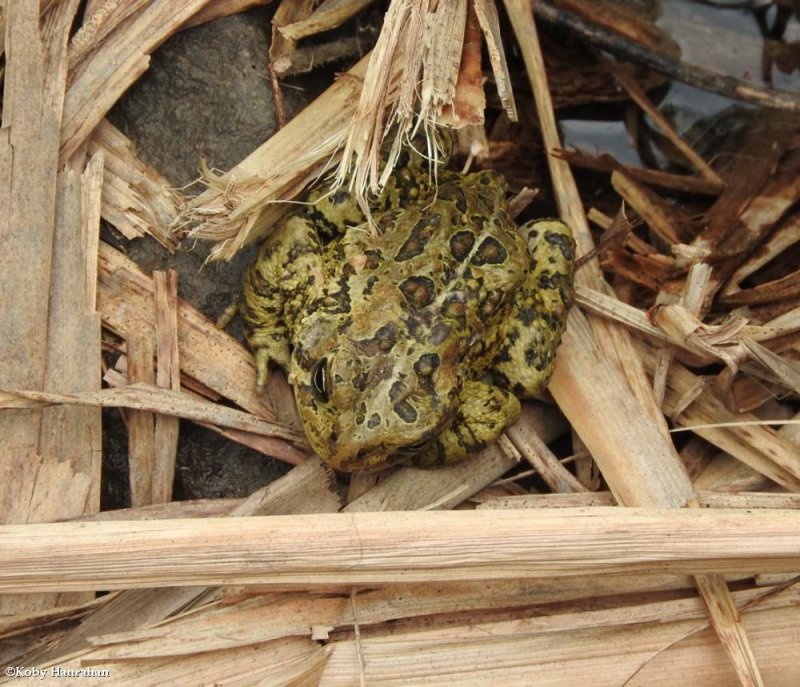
(484, 411)
(533, 331)
(275, 291)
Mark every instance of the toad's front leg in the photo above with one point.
(484, 411)
(276, 289)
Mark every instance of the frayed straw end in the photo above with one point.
(425, 71)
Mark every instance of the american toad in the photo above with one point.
(414, 342)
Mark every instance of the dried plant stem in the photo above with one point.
(381, 548)
(168, 376)
(141, 437)
(144, 396)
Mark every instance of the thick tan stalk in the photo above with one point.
(384, 548)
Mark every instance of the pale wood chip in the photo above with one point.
(168, 376)
(714, 499)
(289, 661)
(101, 19)
(141, 422)
(639, 469)
(467, 99)
(136, 198)
(786, 371)
(296, 614)
(288, 12)
(680, 325)
(662, 219)
(487, 16)
(308, 488)
(328, 15)
(416, 68)
(727, 624)
(786, 235)
(216, 9)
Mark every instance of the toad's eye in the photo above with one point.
(319, 380)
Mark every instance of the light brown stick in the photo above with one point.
(382, 548)
(141, 434)
(168, 376)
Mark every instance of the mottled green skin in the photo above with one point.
(412, 343)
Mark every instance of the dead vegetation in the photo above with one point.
(662, 550)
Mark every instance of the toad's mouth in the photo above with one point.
(366, 456)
